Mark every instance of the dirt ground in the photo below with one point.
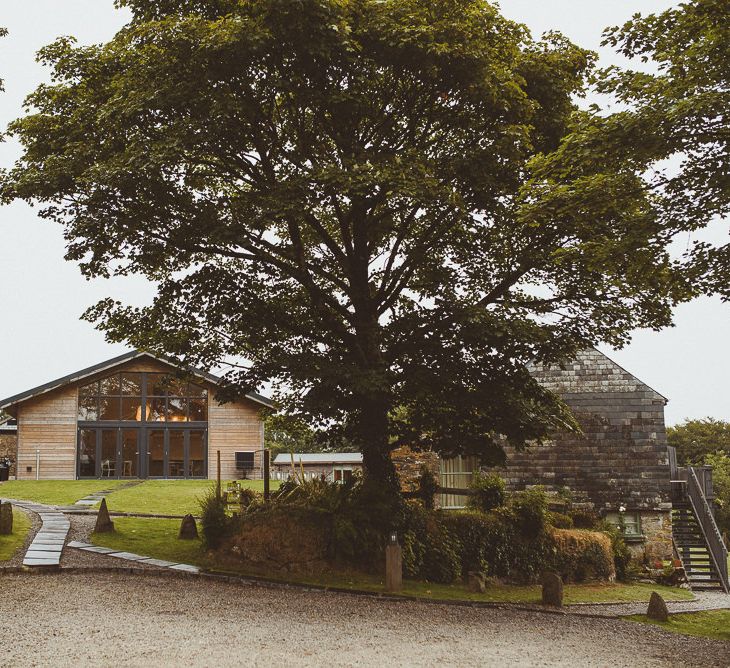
(110, 619)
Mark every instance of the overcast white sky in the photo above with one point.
(42, 296)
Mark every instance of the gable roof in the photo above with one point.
(592, 371)
(110, 364)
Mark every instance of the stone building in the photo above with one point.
(618, 467)
(620, 461)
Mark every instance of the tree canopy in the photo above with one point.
(695, 439)
(673, 128)
(373, 205)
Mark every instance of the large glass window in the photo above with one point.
(122, 397)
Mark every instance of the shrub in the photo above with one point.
(582, 555)
(584, 519)
(427, 487)
(488, 492)
(216, 525)
(560, 520)
(530, 510)
(431, 551)
(621, 552)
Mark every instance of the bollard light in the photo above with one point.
(393, 538)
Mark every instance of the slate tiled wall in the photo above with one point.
(621, 458)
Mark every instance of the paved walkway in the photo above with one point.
(137, 558)
(704, 600)
(47, 546)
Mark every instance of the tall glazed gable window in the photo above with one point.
(142, 397)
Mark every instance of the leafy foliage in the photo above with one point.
(720, 462)
(530, 510)
(428, 487)
(671, 133)
(216, 525)
(695, 439)
(354, 200)
(489, 491)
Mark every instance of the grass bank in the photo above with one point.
(9, 545)
(706, 624)
(54, 492)
(158, 538)
(169, 497)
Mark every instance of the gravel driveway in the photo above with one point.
(114, 619)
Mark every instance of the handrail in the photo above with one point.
(706, 520)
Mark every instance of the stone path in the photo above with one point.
(47, 546)
(704, 600)
(137, 558)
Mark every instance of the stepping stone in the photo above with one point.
(79, 544)
(98, 550)
(43, 547)
(129, 556)
(187, 568)
(159, 562)
(40, 562)
(42, 554)
(86, 502)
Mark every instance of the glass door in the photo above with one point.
(128, 463)
(155, 451)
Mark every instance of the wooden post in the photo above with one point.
(393, 565)
(218, 477)
(267, 456)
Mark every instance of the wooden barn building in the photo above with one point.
(134, 416)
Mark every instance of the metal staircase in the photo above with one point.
(696, 537)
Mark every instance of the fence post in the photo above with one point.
(218, 476)
(267, 456)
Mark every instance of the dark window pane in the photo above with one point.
(197, 390)
(196, 458)
(89, 390)
(131, 408)
(132, 384)
(87, 407)
(177, 409)
(130, 452)
(109, 408)
(158, 384)
(108, 453)
(87, 453)
(198, 410)
(110, 385)
(156, 411)
(177, 387)
(156, 451)
(177, 453)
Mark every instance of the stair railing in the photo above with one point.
(706, 520)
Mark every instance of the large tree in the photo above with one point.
(353, 200)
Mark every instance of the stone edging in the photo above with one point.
(276, 584)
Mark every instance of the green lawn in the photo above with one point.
(158, 538)
(169, 497)
(54, 492)
(707, 624)
(9, 545)
(156, 497)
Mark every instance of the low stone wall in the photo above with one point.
(408, 464)
(656, 527)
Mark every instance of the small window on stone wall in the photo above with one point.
(628, 523)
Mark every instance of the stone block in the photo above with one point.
(104, 523)
(6, 519)
(657, 609)
(552, 590)
(477, 582)
(188, 528)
